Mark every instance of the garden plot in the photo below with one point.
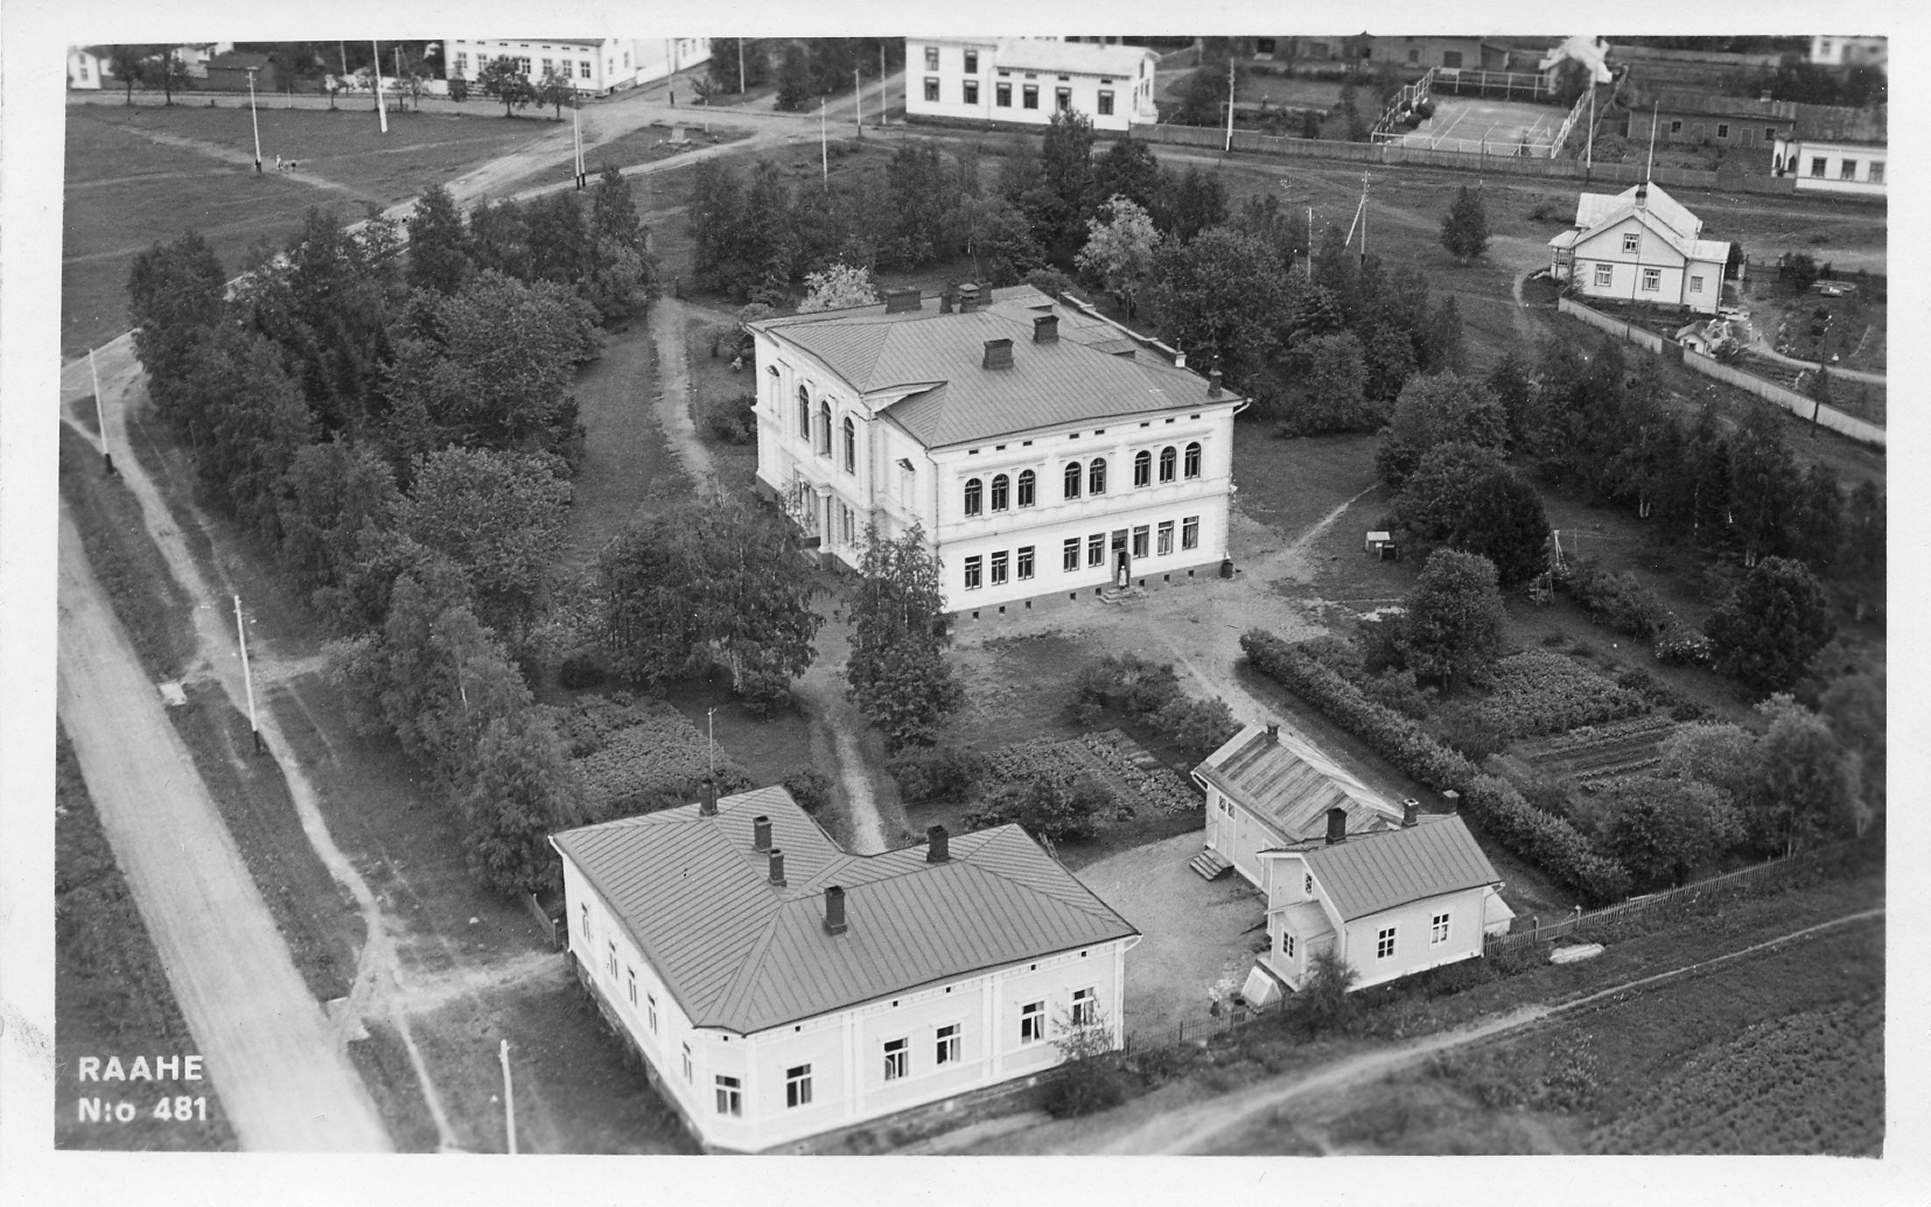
(1541, 692)
(1593, 753)
(1141, 783)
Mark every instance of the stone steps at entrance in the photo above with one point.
(1210, 864)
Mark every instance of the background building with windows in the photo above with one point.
(1025, 80)
(1640, 245)
(1044, 451)
(1834, 149)
(778, 987)
(590, 64)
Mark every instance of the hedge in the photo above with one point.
(1549, 843)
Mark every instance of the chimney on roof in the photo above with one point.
(1213, 384)
(708, 806)
(777, 867)
(834, 910)
(998, 354)
(968, 298)
(1046, 329)
(947, 296)
(938, 845)
(1337, 824)
(760, 833)
(904, 298)
(1642, 194)
(1453, 799)
(1273, 731)
(1410, 808)
(1180, 360)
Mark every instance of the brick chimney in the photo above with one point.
(968, 298)
(938, 845)
(1337, 825)
(998, 354)
(834, 910)
(760, 833)
(1180, 360)
(1273, 731)
(1046, 329)
(947, 296)
(904, 298)
(708, 806)
(1213, 384)
(777, 867)
(1410, 809)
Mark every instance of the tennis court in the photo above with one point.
(1499, 127)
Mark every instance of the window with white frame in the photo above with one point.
(824, 429)
(1096, 549)
(972, 62)
(1027, 479)
(1029, 96)
(897, 1053)
(1169, 458)
(1652, 280)
(969, 91)
(1164, 541)
(1817, 165)
(1032, 1022)
(1085, 1008)
(1002, 95)
(1190, 532)
(1143, 468)
(1384, 944)
(730, 1096)
(851, 446)
(999, 566)
(462, 64)
(931, 58)
(549, 67)
(1848, 171)
(797, 1086)
(1001, 492)
(974, 496)
(1074, 473)
(1631, 241)
(1193, 460)
(1877, 172)
(584, 927)
(1604, 274)
(1723, 129)
(630, 976)
(931, 87)
(1069, 554)
(1025, 566)
(974, 572)
(1140, 540)
(583, 69)
(1063, 99)
(804, 414)
(1096, 477)
(946, 1045)
(1438, 929)
(1287, 945)
(1696, 283)
(1106, 103)
(687, 1062)
(611, 961)
(651, 1009)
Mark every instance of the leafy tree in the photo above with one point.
(1085, 1080)
(1864, 550)
(131, 64)
(1762, 474)
(1323, 1004)
(1219, 296)
(1058, 208)
(439, 243)
(561, 247)
(520, 790)
(921, 203)
(1818, 524)
(836, 288)
(1444, 349)
(1283, 228)
(500, 239)
(1502, 520)
(1204, 92)
(1127, 168)
(1452, 628)
(726, 62)
(1337, 380)
(794, 79)
(715, 210)
(1772, 626)
(1119, 249)
(999, 240)
(1714, 753)
(1438, 410)
(1433, 503)
(831, 61)
(613, 212)
(1465, 228)
(1048, 808)
(175, 295)
(500, 80)
(1390, 358)
(897, 673)
(1508, 382)
(171, 73)
(555, 93)
(1662, 830)
(1189, 203)
(256, 422)
(1806, 786)
(332, 491)
(1854, 706)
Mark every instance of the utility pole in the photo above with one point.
(710, 731)
(1310, 243)
(253, 119)
(1589, 151)
(100, 414)
(247, 676)
(1230, 103)
(576, 139)
(344, 48)
(509, 1099)
(740, 65)
(824, 151)
(884, 97)
(858, 99)
(382, 111)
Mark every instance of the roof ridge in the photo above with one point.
(749, 966)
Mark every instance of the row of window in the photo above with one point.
(1652, 279)
(1384, 948)
(1159, 537)
(823, 444)
(1028, 95)
(1091, 475)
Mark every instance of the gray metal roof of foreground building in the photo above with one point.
(1289, 784)
(1368, 873)
(743, 954)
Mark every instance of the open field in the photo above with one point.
(646, 145)
(111, 994)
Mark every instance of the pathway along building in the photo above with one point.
(1046, 453)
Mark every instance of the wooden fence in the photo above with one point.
(1803, 407)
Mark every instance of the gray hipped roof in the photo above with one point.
(1368, 873)
(1290, 785)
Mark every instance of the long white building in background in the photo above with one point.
(590, 64)
(1047, 454)
(1027, 80)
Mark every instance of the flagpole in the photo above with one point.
(382, 110)
(100, 415)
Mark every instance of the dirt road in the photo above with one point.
(270, 1051)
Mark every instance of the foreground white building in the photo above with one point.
(590, 64)
(1640, 245)
(1027, 80)
(1046, 453)
(779, 988)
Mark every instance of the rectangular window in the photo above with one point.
(896, 1065)
(1877, 172)
(462, 64)
(1140, 541)
(1096, 549)
(549, 67)
(1002, 95)
(946, 1048)
(1165, 542)
(651, 998)
(1452, 59)
(1723, 129)
(583, 69)
(973, 572)
(1063, 99)
(1085, 1008)
(1190, 532)
(1438, 929)
(1652, 280)
(687, 1062)
(797, 1086)
(1032, 1022)
(931, 58)
(1817, 165)
(1287, 945)
(1770, 134)
(1848, 171)
(1676, 127)
(999, 560)
(1696, 283)
(1069, 554)
(1631, 241)
(931, 87)
(1106, 103)
(522, 66)
(972, 92)
(584, 914)
(611, 961)
(1029, 97)
(972, 62)
(1603, 274)
(1384, 944)
(730, 1097)
(631, 977)
(1026, 562)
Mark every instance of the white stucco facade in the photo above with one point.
(1391, 943)
(590, 65)
(1025, 80)
(1824, 166)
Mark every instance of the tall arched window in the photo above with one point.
(1167, 459)
(804, 414)
(1193, 459)
(1001, 492)
(1072, 480)
(851, 446)
(1143, 468)
(1096, 477)
(974, 496)
(824, 428)
(1026, 487)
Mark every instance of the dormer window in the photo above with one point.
(1631, 240)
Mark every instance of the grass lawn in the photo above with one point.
(111, 994)
(646, 145)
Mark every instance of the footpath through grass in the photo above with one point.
(111, 994)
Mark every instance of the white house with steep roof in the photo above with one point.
(1027, 80)
(778, 987)
(1640, 245)
(1047, 453)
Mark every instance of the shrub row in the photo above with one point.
(1548, 842)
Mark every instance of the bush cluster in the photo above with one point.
(936, 773)
(1685, 647)
(1540, 692)
(1618, 599)
(1149, 693)
(810, 787)
(729, 420)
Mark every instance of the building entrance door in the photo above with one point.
(1122, 561)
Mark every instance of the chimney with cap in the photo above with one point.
(760, 833)
(1213, 384)
(1046, 329)
(1337, 824)
(905, 297)
(834, 910)
(1410, 809)
(998, 354)
(1273, 731)
(938, 845)
(946, 297)
(968, 298)
(777, 867)
(708, 806)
